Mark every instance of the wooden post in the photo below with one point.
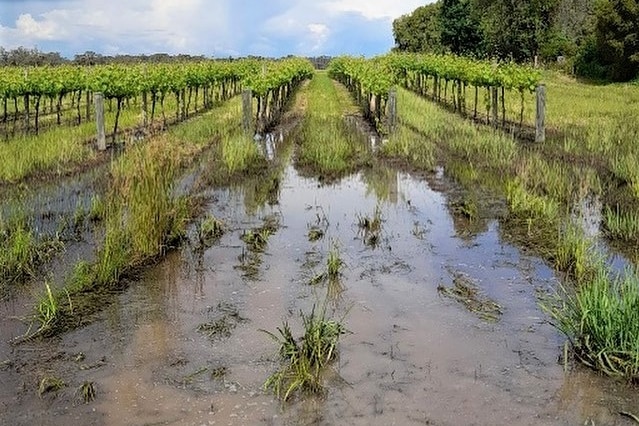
(540, 122)
(392, 110)
(494, 105)
(98, 100)
(247, 111)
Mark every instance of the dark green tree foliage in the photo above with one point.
(517, 29)
(460, 27)
(419, 31)
(617, 38)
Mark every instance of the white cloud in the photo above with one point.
(218, 27)
(379, 9)
(319, 34)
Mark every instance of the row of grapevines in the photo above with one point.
(118, 81)
(370, 80)
(274, 74)
(370, 76)
(509, 76)
(273, 84)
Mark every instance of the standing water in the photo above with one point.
(182, 345)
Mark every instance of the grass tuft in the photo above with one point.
(304, 359)
(601, 321)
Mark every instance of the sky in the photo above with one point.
(216, 28)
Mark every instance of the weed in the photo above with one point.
(21, 252)
(240, 153)
(315, 234)
(621, 225)
(86, 392)
(211, 229)
(574, 254)
(47, 308)
(371, 223)
(304, 358)
(257, 239)
(334, 263)
(601, 320)
(465, 291)
(96, 209)
(49, 384)
(219, 372)
(223, 326)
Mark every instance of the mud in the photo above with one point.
(182, 344)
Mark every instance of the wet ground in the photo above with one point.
(182, 345)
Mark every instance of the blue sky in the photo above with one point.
(209, 27)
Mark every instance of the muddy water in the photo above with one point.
(412, 356)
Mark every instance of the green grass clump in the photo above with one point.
(21, 252)
(334, 263)
(527, 205)
(371, 227)
(304, 359)
(240, 153)
(601, 320)
(211, 228)
(621, 225)
(575, 254)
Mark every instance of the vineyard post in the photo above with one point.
(247, 111)
(392, 110)
(98, 99)
(540, 122)
(494, 105)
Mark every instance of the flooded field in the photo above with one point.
(442, 315)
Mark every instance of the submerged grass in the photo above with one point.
(305, 359)
(589, 152)
(22, 251)
(144, 215)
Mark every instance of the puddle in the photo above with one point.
(182, 345)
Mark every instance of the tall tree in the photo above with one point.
(617, 37)
(419, 31)
(516, 29)
(460, 27)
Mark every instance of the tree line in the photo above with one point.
(23, 56)
(594, 38)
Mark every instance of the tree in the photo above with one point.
(617, 37)
(517, 29)
(419, 31)
(460, 27)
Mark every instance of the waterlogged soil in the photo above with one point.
(182, 345)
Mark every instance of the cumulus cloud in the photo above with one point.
(220, 27)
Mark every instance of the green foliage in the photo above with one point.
(304, 359)
(601, 320)
(460, 30)
(419, 31)
(617, 37)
